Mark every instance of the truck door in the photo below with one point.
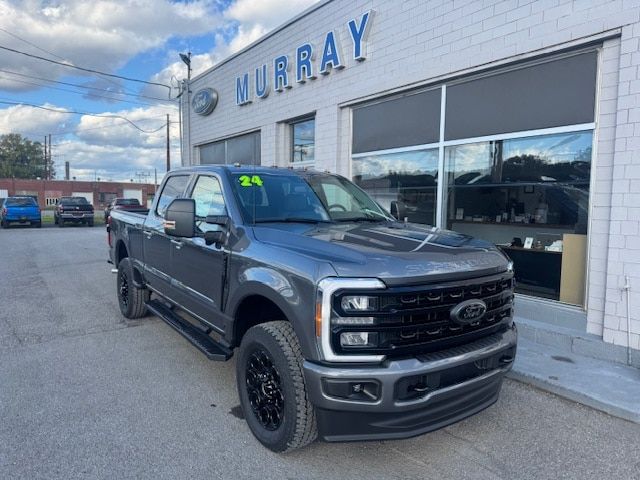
(156, 244)
(198, 270)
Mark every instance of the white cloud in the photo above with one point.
(267, 13)
(112, 130)
(101, 34)
(33, 122)
(252, 19)
(87, 161)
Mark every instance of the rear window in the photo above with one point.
(127, 201)
(20, 202)
(74, 201)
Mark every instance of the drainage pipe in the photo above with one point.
(627, 288)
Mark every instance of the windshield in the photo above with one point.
(20, 202)
(283, 197)
(74, 201)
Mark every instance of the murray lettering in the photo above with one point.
(284, 70)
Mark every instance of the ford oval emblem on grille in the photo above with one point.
(468, 311)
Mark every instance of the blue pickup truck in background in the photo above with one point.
(20, 210)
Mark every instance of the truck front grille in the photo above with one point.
(417, 319)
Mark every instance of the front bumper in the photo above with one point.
(470, 378)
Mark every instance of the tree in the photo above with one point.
(22, 158)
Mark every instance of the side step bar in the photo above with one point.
(203, 342)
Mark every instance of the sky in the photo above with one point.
(137, 39)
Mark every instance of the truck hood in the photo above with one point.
(397, 253)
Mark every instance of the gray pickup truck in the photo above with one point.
(348, 324)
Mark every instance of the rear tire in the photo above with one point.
(4, 224)
(131, 299)
(90, 223)
(271, 387)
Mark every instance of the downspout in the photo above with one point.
(627, 288)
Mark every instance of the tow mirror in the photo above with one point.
(180, 218)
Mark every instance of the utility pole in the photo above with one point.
(168, 146)
(44, 176)
(49, 162)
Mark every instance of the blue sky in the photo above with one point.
(132, 38)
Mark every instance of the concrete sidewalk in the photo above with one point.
(607, 386)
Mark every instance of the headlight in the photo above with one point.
(510, 267)
(359, 303)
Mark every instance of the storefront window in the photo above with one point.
(530, 196)
(404, 183)
(303, 141)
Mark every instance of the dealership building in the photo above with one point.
(514, 121)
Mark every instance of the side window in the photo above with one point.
(172, 189)
(337, 197)
(209, 201)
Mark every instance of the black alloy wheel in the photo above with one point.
(264, 387)
(272, 389)
(131, 299)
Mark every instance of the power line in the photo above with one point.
(25, 82)
(32, 44)
(47, 51)
(5, 102)
(89, 70)
(82, 86)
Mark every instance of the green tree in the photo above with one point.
(22, 158)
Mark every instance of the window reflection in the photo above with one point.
(402, 182)
(531, 197)
(303, 139)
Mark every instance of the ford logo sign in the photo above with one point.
(204, 101)
(469, 311)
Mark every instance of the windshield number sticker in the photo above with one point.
(250, 181)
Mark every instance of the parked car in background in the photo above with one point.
(130, 204)
(20, 210)
(73, 210)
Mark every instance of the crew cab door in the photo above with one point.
(156, 244)
(198, 269)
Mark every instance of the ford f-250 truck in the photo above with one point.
(348, 324)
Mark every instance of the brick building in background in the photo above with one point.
(514, 121)
(99, 194)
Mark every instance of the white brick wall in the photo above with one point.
(418, 41)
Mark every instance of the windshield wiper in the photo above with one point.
(289, 220)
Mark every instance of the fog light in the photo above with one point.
(357, 339)
(359, 303)
(362, 391)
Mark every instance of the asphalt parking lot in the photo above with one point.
(84, 394)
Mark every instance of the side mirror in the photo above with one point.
(398, 210)
(180, 218)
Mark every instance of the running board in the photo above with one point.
(203, 342)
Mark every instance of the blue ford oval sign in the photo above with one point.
(204, 101)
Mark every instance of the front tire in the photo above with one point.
(60, 223)
(131, 299)
(271, 387)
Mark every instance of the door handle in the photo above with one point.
(148, 234)
(177, 243)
